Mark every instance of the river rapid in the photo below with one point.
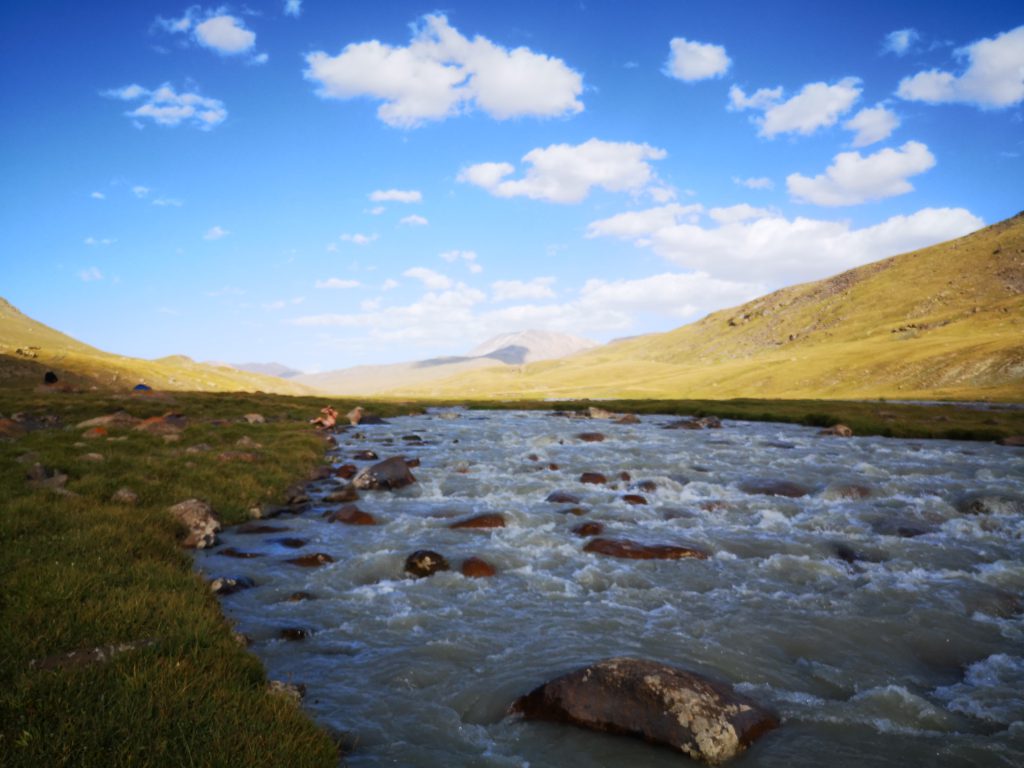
(878, 615)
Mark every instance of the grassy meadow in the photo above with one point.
(80, 571)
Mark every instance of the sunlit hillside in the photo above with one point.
(28, 349)
(942, 322)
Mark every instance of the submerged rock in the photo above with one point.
(387, 475)
(590, 437)
(343, 494)
(593, 478)
(990, 504)
(588, 529)
(314, 560)
(839, 430)
(562, 497)
(228, 586)
(769, 487)
(475, 568)
(198, 518)
(633, 550)
(702, 718)
(424, 562)
(490, 520)
(350, 514)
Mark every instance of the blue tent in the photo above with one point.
(142, 388)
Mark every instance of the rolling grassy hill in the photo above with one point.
(942, 322)
(28, 349)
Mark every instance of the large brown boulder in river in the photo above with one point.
(702, 718)
(633, 550)
(386, 475)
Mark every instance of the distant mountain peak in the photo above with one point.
(530, 346)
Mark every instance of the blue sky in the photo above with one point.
(328, 184)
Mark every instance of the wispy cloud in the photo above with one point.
(357, 238)
(215, 233)
(396, 196)
(414, 221)
(337, 282)
(98, 196)
(90, 275)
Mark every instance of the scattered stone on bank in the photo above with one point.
(116, 420)
(227, 585)
(198, 448)
(11, 430)
(475, 568)
(248, 443)
(199, 521)
(40, 477)
(293, 691)
(562, 497)
(1016, 441)
(168, 424)
(87, 656)
(94, 458)
(599, 413)
(593, 478)
(254, 418)
(588, 529)
(424, 562)
(388, 475)
(126, 496)
(350, 514)
(95, 433)
(704, 422)
(314, 560)
(702, 718)
(633, 550)
(488, 520)
(243, 456)
(839, 430)
(590, 437)
(770, 487)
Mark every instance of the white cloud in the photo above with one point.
(816, 106)
(140, 191)
(639, 224)
(435, 281)
(357, 238)
(175, 26)
(778, 251)
(518, 290)
(872, 124)
(99, 241)
(90, 274)
(691, 61)
(168, 202)
(377, 210)
(396, 196)
(758, 182)
(98, 196)
(899, 41)
(293, 8)
(215, 233)
(225, 34)
(853, 179)
(442, 73)
(674, 294)
(994, 77)
(414, 221)
(467, 257)
(389, 285)
(562, 173)
(165, 106)
(336, 282)
(737, 213)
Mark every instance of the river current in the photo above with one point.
(878, 615)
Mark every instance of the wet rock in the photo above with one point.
(633, 550)
(490, 520)
(237, 553)
(533, 457)
(625, 477)
(553, 467)
(252, 528)
(125, 496)
(199, 521)
(298, 597)
(1016, 441)
(294, 691)
(576, 511)
(254, 418)
(360, 416)
(475, 568)
(424, 562)
(562, 497)
(588, 529)
(599, 413)
(839, 430)
(314, 560)
(387, 475)
(593, 478)
(635, 499)
(290, 542)
(228, 586)
(846, 491)
(116, 420)
(346, 471)
(350, 514)
(644, 486)
(702, 718)
(988, 504)
(293, 634)
(412, 463)
(342, 495)
(412, 439)
(590, 437)
(366, 455)
(770, 487)
(629, 418)
(704, 422)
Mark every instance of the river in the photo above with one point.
(876, 615)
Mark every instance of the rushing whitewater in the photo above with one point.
(879, 615)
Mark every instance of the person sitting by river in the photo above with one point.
(328, 418)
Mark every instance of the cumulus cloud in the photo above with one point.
(358, 238)
(225, 34)
(758, 182)
(853, 179)
(776, 251)
(435, 281)
(518, 290)
(993, 79)
(293, 8)
(441, 73)
(563, 173)
(818, 105)
(673, 294)
(899, 41)
(691, 61)
(414, 221)
(736, 213)
(396, 196)
(337, 282)
(165, 106)
(215, 233)
(466, 257)
(872, 124)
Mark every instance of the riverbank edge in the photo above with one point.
(86, 573)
